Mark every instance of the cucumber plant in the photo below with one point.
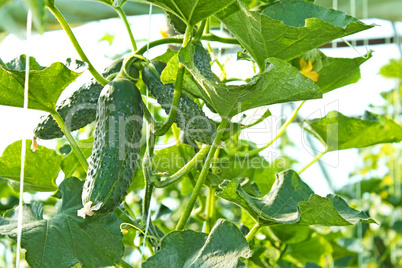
(219, 202)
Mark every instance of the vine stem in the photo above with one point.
(278, 135)
(177, 91)
(53, 9)
(253, 232)
(210, 215)
(315, 159)
(123, 16)
(185, 169)
(179, 40)
(71, 140)
(203, 174)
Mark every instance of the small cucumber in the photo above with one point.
(77, 110)
(116, 148)
(189, 118)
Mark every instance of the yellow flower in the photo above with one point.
(164, 33)
(307, 70)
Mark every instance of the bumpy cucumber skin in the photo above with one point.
(202, 61)
(189, 118)
(85, 97)
(113, 162)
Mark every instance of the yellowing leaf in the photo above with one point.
(307, 70)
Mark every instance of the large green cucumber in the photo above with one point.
(189, 118)
(116, 147)
(77, 110)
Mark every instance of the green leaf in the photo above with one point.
(170, 160)
(339, 132)
(70, 164)
(38, 13)
(19, 64)
(317, 250)
(286, 29)
(291, 201)
(67, 239)
(333, 72)
(280, 82)
(393, 69)
(192, 11)
(372, 185)
(221, 248)
(330, 211)
(41, 166)
(291, 234)
(45, 85)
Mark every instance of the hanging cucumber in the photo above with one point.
(78, 110)
(189, 118)
(116, 147)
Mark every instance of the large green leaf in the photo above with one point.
(221, 248)
(286, 29)
(41, 166)
(280, 82)
(317, 250)
(67, 239)
(339, 132)
(291, 201)
(45, 85)
(333, 72)
(192, 11)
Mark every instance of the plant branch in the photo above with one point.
(210, 215)
(200, 31)
(179, 40)
(53, 9)
(71, 140)
(315, 159)
(123, 16)
(204, 172)
(177, 92)
(253, 232)
(280, 133)
(185, 169)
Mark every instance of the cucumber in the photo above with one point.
(116, 148)
(78, 110)
(189, 118)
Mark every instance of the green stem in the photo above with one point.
(253, 232)
(185, 169)
(200, 31)
(210, 217)
(53, 9)
(175, 103)
(124, 264)
(177, 92)
(125, 218)
(123, 16)
(179, 40)
(201, 179)
(315, 159)
(71, 140)
(147, 114)
(280, 133)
